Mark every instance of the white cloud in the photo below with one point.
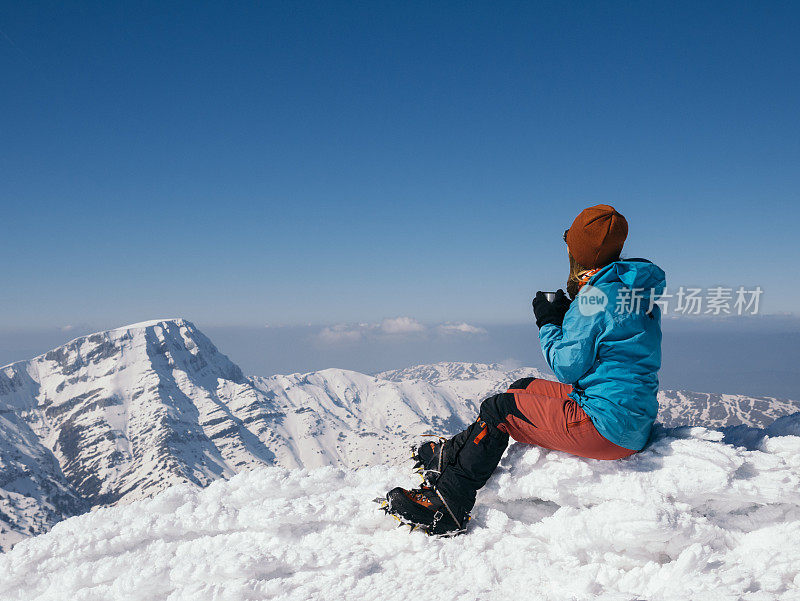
(341, 333)
(67, 328)
(510, 364)
(355, 332)
(460, 328)
(401, 325)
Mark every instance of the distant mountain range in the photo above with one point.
(119, 415)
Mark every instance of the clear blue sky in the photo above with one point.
(250, 163)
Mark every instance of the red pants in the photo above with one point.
(544, 415)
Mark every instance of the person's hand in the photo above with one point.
(550, 312)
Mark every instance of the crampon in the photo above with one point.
(424, 509)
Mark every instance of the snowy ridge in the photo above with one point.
(694, 516)
(449, 372)
(681, 407)
(340, 417)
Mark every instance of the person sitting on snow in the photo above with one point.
(604, 346)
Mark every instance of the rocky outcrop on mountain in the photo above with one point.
(34, 494)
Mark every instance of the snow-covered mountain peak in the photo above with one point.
(119, 409)
(155, 322)
(116, 357)
(169, 343)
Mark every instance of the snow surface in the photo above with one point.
(692, 517)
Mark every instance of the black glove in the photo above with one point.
(550, 312)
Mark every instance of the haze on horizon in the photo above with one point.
(754, 356)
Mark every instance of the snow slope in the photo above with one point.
(691, 517)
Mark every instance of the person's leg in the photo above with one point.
(471, 456)
(545, 415)
(482, 446)
(467, 461)
(532, 411)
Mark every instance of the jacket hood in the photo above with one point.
(633, 273)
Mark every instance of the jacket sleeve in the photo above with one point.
(571, 350)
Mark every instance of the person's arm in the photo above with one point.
(570, 349)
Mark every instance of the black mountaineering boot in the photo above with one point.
(425, 508)
(458, 468)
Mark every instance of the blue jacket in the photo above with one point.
(611, 352)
